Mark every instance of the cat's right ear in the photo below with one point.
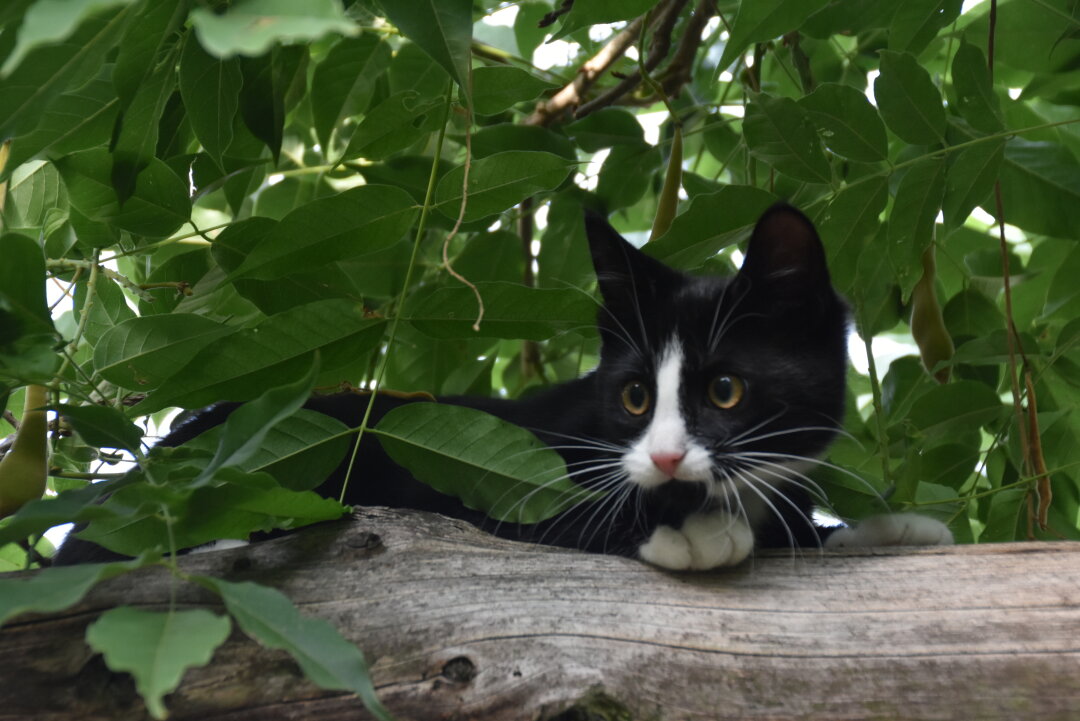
(785, 257)
(625, 274)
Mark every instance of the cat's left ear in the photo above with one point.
(785, 257)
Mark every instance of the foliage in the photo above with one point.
(248, 194)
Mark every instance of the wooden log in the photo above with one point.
(461, 625)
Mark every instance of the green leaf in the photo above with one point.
(247, 426)
(51, 69)
(605, 128)
(711, 222)
(349, 224)
(344, 82)
(908, 99)
(157, 648)
(22, 287)
(1003, 521)
(849, 124)
(1040, 183)
(141, 353)
(509, 136)
(441, 28)
(102, 427)
(233, 506)
(393, 125)
(327, 659)
(48, 22)
(251, 27)
(960, 407)
(627, 174)
(267, 81)
(950, 464)
(848, 224)
(780, 132)
(241, 365)
(77, 120)
(108, 308)
(527, 31)
(500, 87)
(917, 22)
(500, 181)
(210, 88)
(159, 206)
(594, 12)
(971, 313)
(970, 178)
(57, 588)
(511, 311)
(489, 464)
(973, 90)
(76, 505)
(146, 45)
(911, 222)
(764, 20)
(874, 289)
(1023, 28)
(135, 144)
(413, 69)
(301, 451)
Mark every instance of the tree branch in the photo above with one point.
(659, 48)
(459, 624)
(571, 94)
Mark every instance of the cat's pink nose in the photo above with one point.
(667, 462)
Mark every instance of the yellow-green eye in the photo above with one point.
(726, 391)
(635, 398)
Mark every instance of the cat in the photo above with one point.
(713, 398)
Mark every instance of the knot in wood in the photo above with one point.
(460, 669)
(365, 541)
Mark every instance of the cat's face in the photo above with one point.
(717, 389)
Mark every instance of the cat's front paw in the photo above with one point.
(894, 529)
(706, 540)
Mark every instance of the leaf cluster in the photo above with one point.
(249, 195)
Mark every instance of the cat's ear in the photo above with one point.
(624, 273)
(785, 257)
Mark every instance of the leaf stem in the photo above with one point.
(421, 226)
(879, 412)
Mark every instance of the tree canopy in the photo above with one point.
(247, 200)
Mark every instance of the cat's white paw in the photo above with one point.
(706, 540)
(666, 548)
(894, 529)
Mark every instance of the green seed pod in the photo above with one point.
(668, 202)
(927, 325)
(23, 469)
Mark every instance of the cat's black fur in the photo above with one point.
(777, 325)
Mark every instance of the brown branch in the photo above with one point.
(659, 48)
(1027, 425)
(677, 73)
(469, 626)
(570, 95)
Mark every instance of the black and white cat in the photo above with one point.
(712, 399)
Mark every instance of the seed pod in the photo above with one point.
(23, 469)
(927, 324)
(669, 195)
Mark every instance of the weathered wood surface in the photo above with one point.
(460, 625)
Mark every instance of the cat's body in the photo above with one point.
(713, 398)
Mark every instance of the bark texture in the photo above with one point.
(457, 624)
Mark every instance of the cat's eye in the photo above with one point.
(726, 391)
(635, 398)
